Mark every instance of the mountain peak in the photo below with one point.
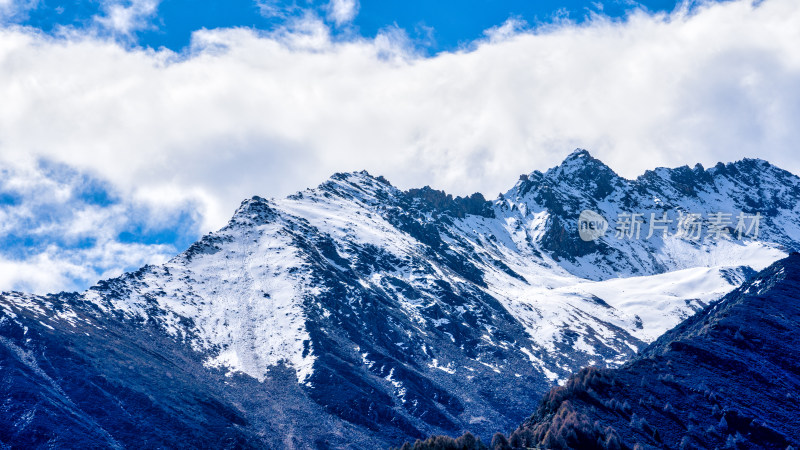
(356, 185)
(584, 173)
(578, 153)
(582, 163)
(256, 210)
(361, 179)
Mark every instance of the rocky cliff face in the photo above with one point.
(382, 314)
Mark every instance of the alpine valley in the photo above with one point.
(357, 315)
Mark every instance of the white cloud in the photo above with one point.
(57, 270)
(60, 229)
(269, 8)
(393, 43)
(342, 11)
(245, 113)
(13, 9)
(129, 16)
(510, 28)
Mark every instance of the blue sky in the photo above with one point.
(433, 25)
(128, 128)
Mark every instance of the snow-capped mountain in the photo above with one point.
(388, 314)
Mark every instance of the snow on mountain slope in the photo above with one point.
(400, 312)
(234, 293)
(659, 300)
(726, 377)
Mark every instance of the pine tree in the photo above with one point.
(499, 442)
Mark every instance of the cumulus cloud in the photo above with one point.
(245, 112)
(129, 16)
(342, 11)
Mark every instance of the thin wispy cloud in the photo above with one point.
(12, 9)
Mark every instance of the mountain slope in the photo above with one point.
(388, 314)
(728, 376)
(73, 376)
